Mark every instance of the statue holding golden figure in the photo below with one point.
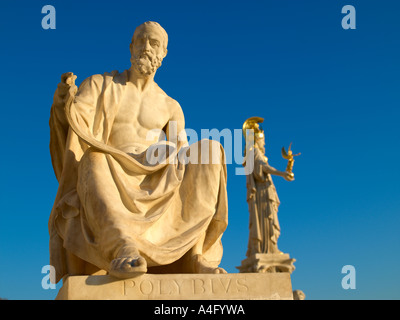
(263, 254)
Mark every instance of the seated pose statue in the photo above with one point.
(133, 196)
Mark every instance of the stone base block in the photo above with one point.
(267, 263)
(233, 286)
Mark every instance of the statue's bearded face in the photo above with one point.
(147, 50)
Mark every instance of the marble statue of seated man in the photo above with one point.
(126, 203)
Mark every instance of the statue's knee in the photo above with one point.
(206, 152)
(92, 156)
(90, 160)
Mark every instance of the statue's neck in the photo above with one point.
(142, 82)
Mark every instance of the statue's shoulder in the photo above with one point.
(95, 80)
(98, 80)
(258, 154)
(108, 76)
(170, 101)
(175, 107)
(117, 77)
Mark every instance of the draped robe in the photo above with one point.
(108, 200)
(263, 205)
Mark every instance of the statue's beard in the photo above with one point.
(145, 63)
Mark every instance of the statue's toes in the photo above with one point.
(124, 268)
(118, 263)
(126, 265)
(220, 270)
(138, 262)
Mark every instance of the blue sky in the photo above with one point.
(334, 93)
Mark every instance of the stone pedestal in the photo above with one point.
(233, 286)
(268, 263)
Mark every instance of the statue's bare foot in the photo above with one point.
(200, 265)
(128, 266)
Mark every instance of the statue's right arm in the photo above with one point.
(271, 170)
(63, 90)
(266, 168)
(58, 122)
(85, 102)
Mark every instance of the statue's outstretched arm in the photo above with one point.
(271, 170)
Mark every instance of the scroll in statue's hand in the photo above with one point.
(66, 87)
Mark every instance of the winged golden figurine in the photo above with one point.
(289, 156)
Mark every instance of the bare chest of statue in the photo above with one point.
(138, 114)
